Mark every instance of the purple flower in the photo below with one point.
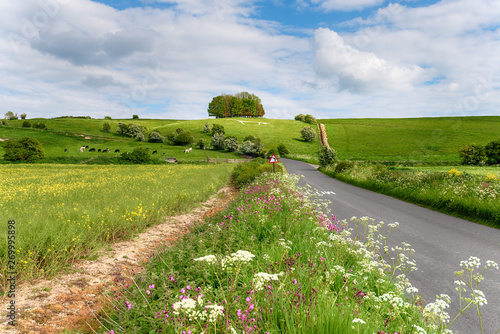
(152, 286)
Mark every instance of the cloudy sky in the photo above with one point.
(329, 58)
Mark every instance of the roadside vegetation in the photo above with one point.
(447, 189)
(69, 212)
(274, 262)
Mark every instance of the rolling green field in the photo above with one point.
(66, 212)
(71, 134)
(411, 139)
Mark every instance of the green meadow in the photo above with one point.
(410, 139)
(72, 133)
(427, 140)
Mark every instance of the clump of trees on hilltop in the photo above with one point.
(241, 104)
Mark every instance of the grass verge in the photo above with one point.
(470, 196)
(274, 263)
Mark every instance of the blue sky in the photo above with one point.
(328, 58)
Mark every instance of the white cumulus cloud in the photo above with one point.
(359, 71)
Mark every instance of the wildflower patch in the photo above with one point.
(275, 262)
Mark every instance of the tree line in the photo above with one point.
(241, 104)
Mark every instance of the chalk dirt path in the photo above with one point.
(67, 302)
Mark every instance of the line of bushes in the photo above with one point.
(476, 154)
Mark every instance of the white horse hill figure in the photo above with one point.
(243, 122)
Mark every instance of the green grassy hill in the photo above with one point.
(410, 139)
(72, 133)
(416, 139)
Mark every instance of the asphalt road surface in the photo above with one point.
(440, 242)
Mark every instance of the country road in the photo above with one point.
(440, 242)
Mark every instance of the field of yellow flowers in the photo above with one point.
(66, 212)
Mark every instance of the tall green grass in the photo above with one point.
(471, 196)
(67, 212)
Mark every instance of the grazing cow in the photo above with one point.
(154, 152)
(65, 150)
(99, 150)
(92, 150)
(82, 149)
(117, 150)
(87, 146)
(188, 150)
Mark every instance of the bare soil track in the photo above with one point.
(69, 301)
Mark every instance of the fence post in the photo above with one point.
(208, 159)
(227, 160)
(217, 159)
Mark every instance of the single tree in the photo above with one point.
(217, 141)
(106, 127)
(155, 137)
(218, 128)
(206, 128)
(327, 156)
(11, 116)
(492, 150)
(184, 138)
(231, 144)
(308, 134)
(300, 117)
